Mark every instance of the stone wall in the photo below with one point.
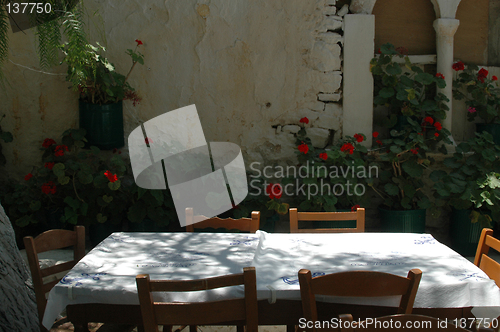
(253, 69)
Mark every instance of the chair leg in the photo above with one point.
(193, 328)
(291, 328)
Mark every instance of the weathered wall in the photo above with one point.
(253, 69)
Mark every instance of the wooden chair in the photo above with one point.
(411, 323)
(244, 224)
(243, 310)
(296, 216)
(482, 260)
(358, 284)
(52, 240)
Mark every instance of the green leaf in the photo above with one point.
(58, 169)
(100, 218)
(391, 189)
(137, 212)
(424, 78)
(95, 150)
(63, 180)
(70, 216)
(141, 192)
(436, 176)
(24, 221)
(107, 199)
(72, 202)
(282, 208)
(35, 205)
(114, 185)
(413, 169)
(386, 92)
(84, 178)
(158, 194)
(393, 69)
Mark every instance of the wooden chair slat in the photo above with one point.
(234, 311)
(360, 283)
(358, 215)
(55, 239)
(195, 285)
(57, 268)
(202, 313)
(482, 260)
(250, 225)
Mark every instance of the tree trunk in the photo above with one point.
(18, 310)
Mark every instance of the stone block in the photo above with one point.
(319, 137)
(343, 11)
(362, 6)
(327, 121)
(330, 23)
(334, 109)
(331, 37)
(325, 57)
(293, 129)
(315, 106)
(329, 10)
(326, 97)
(325, 82)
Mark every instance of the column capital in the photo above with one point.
(446, 27)
(445, 8)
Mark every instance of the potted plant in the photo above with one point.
(101, 91)
(415, 114)
(471, 186)
(405, 89)
(481, 95)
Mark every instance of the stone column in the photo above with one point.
(445, 31)
(359, 43)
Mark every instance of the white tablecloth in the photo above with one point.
(448, 279)
(107, 273)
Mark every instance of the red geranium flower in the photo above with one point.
(355, 208)
(49, 165)
(481, 75)
(347, 147)
(379, 142)
(28, 176)
(414, 151)
(458, 66)
(494, 78)
(111, 177)
(303, 148)
(48, 142)
(429, 120)
(438, 126)
(375, 134)
(439, 75)
(59, 151)
(359, 138)
(436, 134)
(49, 188)
(304, 120)
(138, 42)
(323, 156)
(274, 190)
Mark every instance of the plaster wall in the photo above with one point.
(253, 69)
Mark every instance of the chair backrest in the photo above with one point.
(242, 310)
(482, 260)
(243, 224)
(358, 215)
(358, 284)
(411, 323)
(52, 240)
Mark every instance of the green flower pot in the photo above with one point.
(104, 124)
(491, 128)
(403, 221)
(464, 234)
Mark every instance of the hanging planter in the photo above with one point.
(403, 221)
(103, 123)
